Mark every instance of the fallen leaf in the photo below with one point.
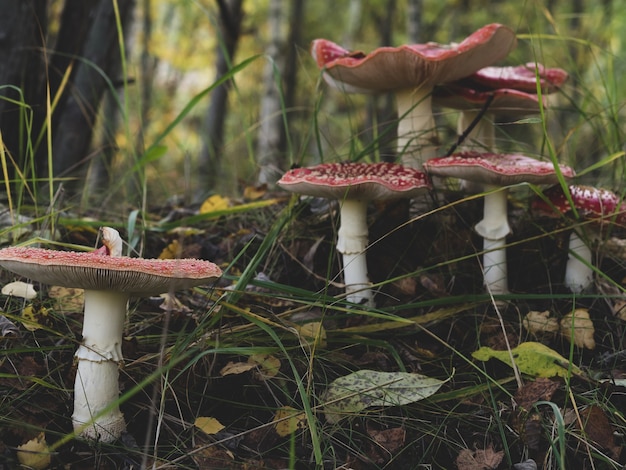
(355, 392)
(532, 358)
(540, 323)
(214, 203)
(34, 317)
(268, 365)
(34, 454)
(598, 429)
(288, 420)
(531, 392)
(208, 425)
(236, 368)
(67, 299)
(172, 251)
(391, 439)
(578, 328)
(20, 289)
(313, 334)
(252, 193)
(479, 459)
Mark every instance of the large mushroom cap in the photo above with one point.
(355, 180)
(590, 202)
(496, 169)
(411, 66)
(135, 276)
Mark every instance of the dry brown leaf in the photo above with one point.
(208, 425)
(233, 368)
(312, 333)
(578, 327)
(479, 459)
(598, 429)
(532, 392)
(540, 323)
(391, 440)
(252, 193)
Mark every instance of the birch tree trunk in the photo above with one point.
(269, 156)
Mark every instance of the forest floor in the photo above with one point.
(237, 375)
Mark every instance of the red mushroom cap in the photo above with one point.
(496, 169)
(356, 180)
(521, 77)
(136, 276)
(410, 66)
(590, 202)
(512, 88)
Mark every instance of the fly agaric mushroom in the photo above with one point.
(354, 185)
(411, 72)
(507, 91)
(600, 206)
(108, 281)
(495, 172)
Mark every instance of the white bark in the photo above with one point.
(96, 391)
(417, 136)
(578, 271)
(352, 239)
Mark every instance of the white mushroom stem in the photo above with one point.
(494, 228)
(352, 239)
(578, 271)
(417, 135)
(96, 391)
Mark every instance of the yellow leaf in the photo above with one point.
(171, 251)
(208, 425)
(214, 203)
(539, 323)
(313, 333)
(269, 365)
(233, 368)
(34, 318)
(578, 328)
(35, 454)
(252, 193)
(532, 358)
(288, 420)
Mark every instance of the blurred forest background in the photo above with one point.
(131, 99)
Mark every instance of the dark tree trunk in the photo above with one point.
(78, 114)
(209, 160)
(23, 29)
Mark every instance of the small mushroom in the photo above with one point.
(510, 90)
(600, 206)
(108, 281)
(411, 72)
(354, 185)
(495, 172)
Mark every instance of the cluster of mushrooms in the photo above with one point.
(460, 76)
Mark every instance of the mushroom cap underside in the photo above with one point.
(135, 276)
(415, 65)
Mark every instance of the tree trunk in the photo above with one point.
(23, 29)
(78, 115)
(209, 160)
(269, 156)
(414, 10)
